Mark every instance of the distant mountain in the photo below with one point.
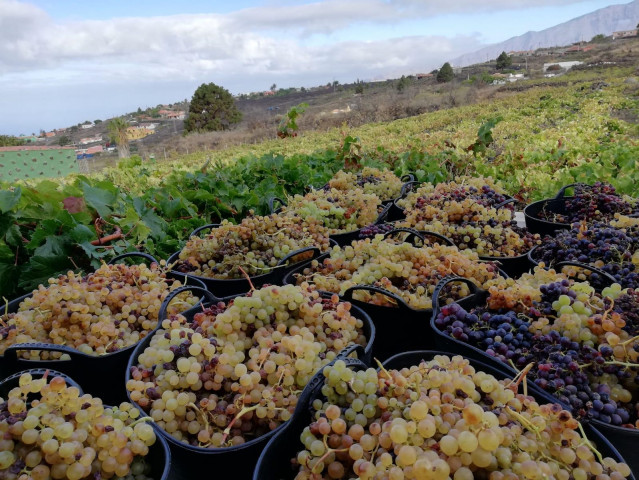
(605, 21)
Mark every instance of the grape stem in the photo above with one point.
(613, 362)
(521, 376)
(248, 279)
(524, 421)
(6, 311)
(140, 420)
(239, 415)
(381, 367)
(204, 417)
(626, 342)
(589, 444)
(326, 454)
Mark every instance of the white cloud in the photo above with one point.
(331, 15)
(30, 39)
(243, 50)
(197, 46)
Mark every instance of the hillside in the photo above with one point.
(340, 107)
(603, 21)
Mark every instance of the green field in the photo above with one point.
(22, 163)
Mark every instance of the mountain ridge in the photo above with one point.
(602, 21)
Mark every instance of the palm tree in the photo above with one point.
(118, 134)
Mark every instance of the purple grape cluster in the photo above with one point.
(597, 202)
(485, 196)
(562, 367)
(369, 231)
(368, 179)
(627, 305)
(599, 243)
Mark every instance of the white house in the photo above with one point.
(624, 34)
(86, 126)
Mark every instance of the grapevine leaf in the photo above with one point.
(156, 225)
(6, 220)
(13, 236)
(41, 268)
(99, 198)
(9, 199)
(8, 276)
(74, 204)
(46, 229)
(83, 235)
(53, 246)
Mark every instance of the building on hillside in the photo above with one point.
(27, 162)
(624, 34)
(86, 126)
(135, 133)
(562, 65)
(88, 140)
(29, 138)
(423, 75)
(579, 48)
(95, 149)
(176, 115)
(149, 126)
(49, 134)
(164, 113)
(521, 53)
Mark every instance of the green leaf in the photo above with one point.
(45, 229)
(6, 220)
(14, 236)
(82, 233)
(83, 236)
(8, 278)
(157, 226)
(40, 269)
(100, 199)
(54, 245)
(9, 199)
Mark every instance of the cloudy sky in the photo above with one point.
(66, 61)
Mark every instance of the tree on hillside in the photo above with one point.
(118, 135)
(212, 108)
(10, 141)
(64, 140)
(402, 83)
(503, 61)
(445, 74)
(273, 87)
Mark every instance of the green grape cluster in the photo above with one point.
(236, 372)
(255, 246)
(383, 183)
(108, 310)
(64, 435)
(440, 420)
(339, 211)
(401, 268)
(487, 239)
(471, 216)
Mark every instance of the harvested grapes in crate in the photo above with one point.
(237, 370)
